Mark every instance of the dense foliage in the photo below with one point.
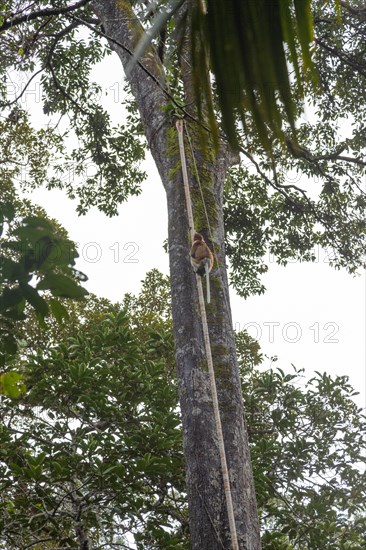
(93, 451)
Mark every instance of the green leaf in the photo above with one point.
(58, 310)
(11, 270)
(11, 384)
(10, 298)
(32, 232)
(32, 296)
(59, 469)
(61, 285)
(8, 343)
(7, 211)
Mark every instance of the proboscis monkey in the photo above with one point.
(202, 260)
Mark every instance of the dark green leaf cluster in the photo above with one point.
(97, 440)
(35, 257)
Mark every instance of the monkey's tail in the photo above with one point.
(207, 270)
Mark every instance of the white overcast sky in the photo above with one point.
(311, 315)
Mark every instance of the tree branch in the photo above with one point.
(41, 13)
(57, 37)
(10, 103)
(39, 541)
(111, 40)
(300, 152)
(353, 9)
(342, 57)
(355, 160)
(282, 190)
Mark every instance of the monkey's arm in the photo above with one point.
(200, 251)
(198, 258)
(195, 245)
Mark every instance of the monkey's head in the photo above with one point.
(198, 237)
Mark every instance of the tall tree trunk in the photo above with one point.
(208, 518)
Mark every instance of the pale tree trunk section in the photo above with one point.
(207, 508)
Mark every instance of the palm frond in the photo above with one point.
(249, 47)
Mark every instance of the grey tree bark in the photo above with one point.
(208, 518)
